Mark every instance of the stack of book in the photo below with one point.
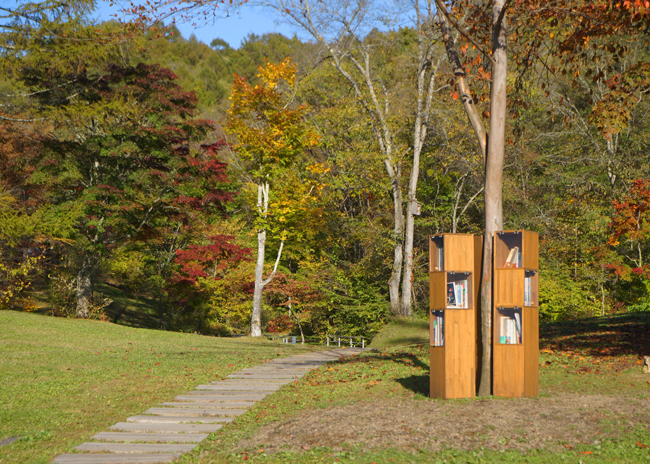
(528, 291)
(511, 329)
(438, 328)
(514, 258)
(457, 296)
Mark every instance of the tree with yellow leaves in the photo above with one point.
(271, 136)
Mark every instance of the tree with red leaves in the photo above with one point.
(211, 260)
(132, 174)
(630, 230)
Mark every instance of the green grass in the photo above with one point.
(399, 368)
(128, 311)
(63, 380)
(401, 373)
(402, 332)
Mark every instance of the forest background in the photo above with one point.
(124, 172)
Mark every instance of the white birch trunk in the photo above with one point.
(256, 317)
(260, 283)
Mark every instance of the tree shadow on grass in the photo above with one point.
(403, 357)
(418, 384)
(624, 334)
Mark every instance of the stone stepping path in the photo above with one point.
(165, 432)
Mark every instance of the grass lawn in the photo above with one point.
(67, 379)
(63, 380)
(594, 406)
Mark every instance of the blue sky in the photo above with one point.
(232, 29)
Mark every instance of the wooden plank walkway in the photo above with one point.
(164, 433)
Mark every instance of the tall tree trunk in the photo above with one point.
(493, 184)
(398, 249)
(85, 286)
(256, 317)
(262, 209)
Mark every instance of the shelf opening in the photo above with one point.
(459, 290)
(531, 288)
(509, 326)
(437, 253)
(507, 249)
(437, 328)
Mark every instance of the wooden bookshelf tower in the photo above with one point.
(515, 340)
(452, 314)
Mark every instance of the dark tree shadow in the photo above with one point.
(623, 334)
(418, 384)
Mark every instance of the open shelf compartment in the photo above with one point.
(531, 288)
(437, 328)
(437, 253)
(451, 290)
(516, 249)
(509, 326)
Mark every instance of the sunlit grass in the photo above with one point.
(63, 380)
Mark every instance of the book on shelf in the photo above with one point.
(457, 294)
(451, 294)
(517, 328)
(441, 259)
(510, 328)
(513, 259)
(438, 328)
(528, 291)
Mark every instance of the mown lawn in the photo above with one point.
(63, 380)
(594, 406)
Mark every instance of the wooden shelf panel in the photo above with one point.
(508, 371)
(457, 252)
(516, 314)
(508, 287)
(531, 352)
(453, 366)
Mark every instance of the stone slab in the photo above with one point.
(165, 427)
(199, 412)
(210, 404)
(195, 412)
(150, 437)
(234, 383)
(279, 369)
(178, 419)
(217, 397)
(239, 387)
(8, 441)
(136, 448)
(262, 376)
(253, 381)
(115, 458)
(227, 394)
